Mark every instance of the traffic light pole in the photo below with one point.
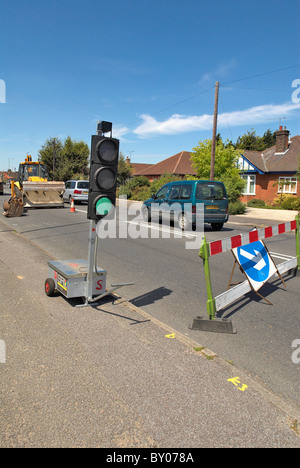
(89, 299)
(91, 260)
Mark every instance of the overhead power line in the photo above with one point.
(260, 74)
(226, 84)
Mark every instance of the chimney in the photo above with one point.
(127, 161)
(282, 140)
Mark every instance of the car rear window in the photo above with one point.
(209, 190)
(83, 185)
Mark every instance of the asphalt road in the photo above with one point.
(169, 284)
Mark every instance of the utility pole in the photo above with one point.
(53, 158)
(213, 143)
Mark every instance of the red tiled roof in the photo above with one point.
(137, 167)
(179, 164)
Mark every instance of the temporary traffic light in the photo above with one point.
(103, 176)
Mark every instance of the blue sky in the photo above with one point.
(149, 67)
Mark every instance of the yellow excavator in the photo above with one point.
(33, 190)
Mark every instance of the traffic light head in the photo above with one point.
(103, 176)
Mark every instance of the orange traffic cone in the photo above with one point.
(72, 209)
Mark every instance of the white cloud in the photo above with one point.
(184, 123)
(119, 132)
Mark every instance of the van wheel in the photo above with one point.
(217, 226)
(146, 214)
(183, 222)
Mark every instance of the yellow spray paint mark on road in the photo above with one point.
(172, 335)
(236, 381)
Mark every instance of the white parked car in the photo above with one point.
(78, 190)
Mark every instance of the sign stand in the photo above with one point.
(235, 284)
(261, 260)
(265, 266)
(212, 324)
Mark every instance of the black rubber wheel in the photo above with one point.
(217, 226)
(183, 222)
(146, 214)
(49, 287)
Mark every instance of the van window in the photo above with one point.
(186, 192)
(180, 192)
(162, 193)
(209, 190)
(174, 193)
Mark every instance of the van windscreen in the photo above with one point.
(209, 191)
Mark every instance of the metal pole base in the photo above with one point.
(218, 325)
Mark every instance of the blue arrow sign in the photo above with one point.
(256, 263)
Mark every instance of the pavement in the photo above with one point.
(263, 216)
(112, 376)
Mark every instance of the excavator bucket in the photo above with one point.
(13, 207)
(43, 194)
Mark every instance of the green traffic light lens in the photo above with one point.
(103, 206)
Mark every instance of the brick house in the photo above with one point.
(273, 171)
(180, 165)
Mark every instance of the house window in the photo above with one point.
(287, 185)
(250, 184)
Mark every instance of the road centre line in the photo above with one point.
(183, 234)
(81, 211)
(159, 228)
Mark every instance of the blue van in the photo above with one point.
(188, 200)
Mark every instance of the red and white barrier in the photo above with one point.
(220, 246)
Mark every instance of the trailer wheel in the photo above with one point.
(49, 287)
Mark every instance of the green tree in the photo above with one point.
(269, 139)
(124, 170)
(51, 149)
(226, 167)
(71, 158)
(253, 142)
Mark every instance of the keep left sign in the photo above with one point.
(256, 263)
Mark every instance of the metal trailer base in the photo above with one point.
(218, 325)
(80, 278)
(70, 278)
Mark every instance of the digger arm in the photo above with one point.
(16, 189)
